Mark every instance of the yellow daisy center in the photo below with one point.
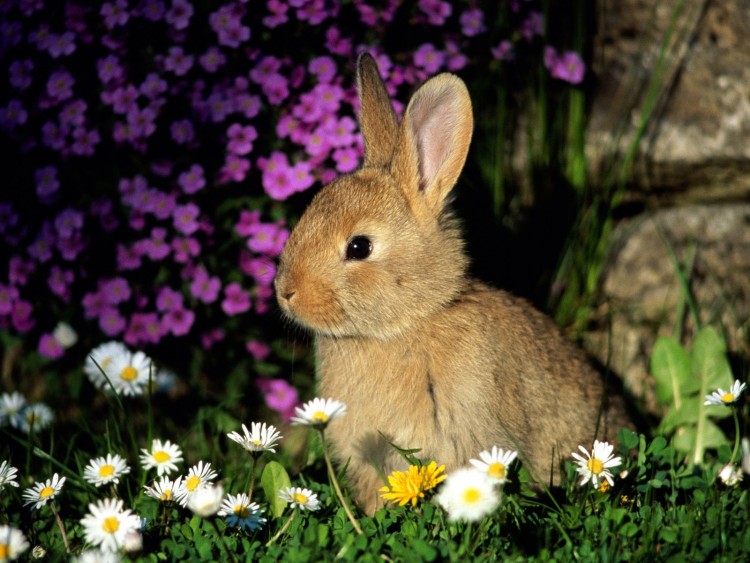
(192, 483)
(166, 495)
(319, 417)
(129, 373)
(106, 470)
(4, 552)
(255, 442)
(241, 511)
(46, 492)
(595, 465)
(497, 470)
(472, 495)
(161, 456)
(111, 525)
(728, 397)
(299, 498)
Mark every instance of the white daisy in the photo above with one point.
(240, 512)
(8, 475)
(163, 455)
(107, 524)
(318, 412)
(495, 463)
(96, 556)
(305, 499)
(103, 470)
(41, 493)
(65, 335)
(11, 405)
(468, 494)
(129, 373)
(36, 416)
(206, 500)
(103, 355)
(12, 543)
(198, 476)
(721, 397)
(165, 489)
(596, 466)
(261, 438)
(730, 475)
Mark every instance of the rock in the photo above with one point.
(695, 147)
(642, 292)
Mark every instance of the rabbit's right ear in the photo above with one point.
(377, 119)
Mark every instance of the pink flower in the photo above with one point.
(279, 396)
(60, 85)
(503, 51)
(115, 13)
(262, 270)
(185, 218)
(241, 138)
(60, 281)
(182, 132)
(258, 350)
(47, 183)
(428, 58)
(178, 16)
(235, 168)
(178, 62)
(278, 10)
(185, 249)
(568, 67)
(472, 22)
(236, 300)
(204, 287)
(212, 60)
(115, 290)
(49, 347)
(323, 68)
(111, 322)
(177, 321)
(346, 159)
(143, 328)
(436, 11)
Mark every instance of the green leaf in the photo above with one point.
(709, 359)
(273, 479)
(671, 368)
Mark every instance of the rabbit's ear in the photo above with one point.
(377, 119)
(434, 140)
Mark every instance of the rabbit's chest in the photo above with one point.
(414, 396)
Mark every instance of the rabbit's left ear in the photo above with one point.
(377, 119)
(433, 141)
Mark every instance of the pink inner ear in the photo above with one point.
(433, 124)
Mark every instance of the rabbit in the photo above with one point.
(422, 355)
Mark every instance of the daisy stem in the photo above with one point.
(337, 488)
(223, 541)
(61, 526)
(283, 529)
(736, 436)
(252, 477)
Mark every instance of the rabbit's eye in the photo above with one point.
(358, 248)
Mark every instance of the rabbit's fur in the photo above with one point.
(422, 355)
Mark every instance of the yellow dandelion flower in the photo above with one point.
(411, 485)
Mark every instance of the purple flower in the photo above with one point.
(235, 168)
(212, 60)
(47, 183)
(115, 13)
(124, 99)
(59, 282)
(49, 347)
(185, 249)
(153, 10)
(192, 180)
(428, 58)
(179, 14)
(182, 132)
(8, 296)
(60, 85)
(178, 62)
(53, 136)
(19, 270)
(153, 86)
(143, 328)
(168, 299)
(115, 291)
(85, 141)
(21, 316)
(346, 159)
(109, 69)
(278, 10)
(61, 45)
(111, 322)
(69, 222)
(184, 218)
(503, 51)
(472, 22)
(262, 270)
(177, 321)
(74, 113)
(12, 115)
(20, 74)
(155, 247)
(532, 26)
(241, 138)
(568, 67)
(236, 300)
(323, 68)
(128, 258)
(436, 11)
(204, 287)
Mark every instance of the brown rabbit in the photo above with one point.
(422, 355)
